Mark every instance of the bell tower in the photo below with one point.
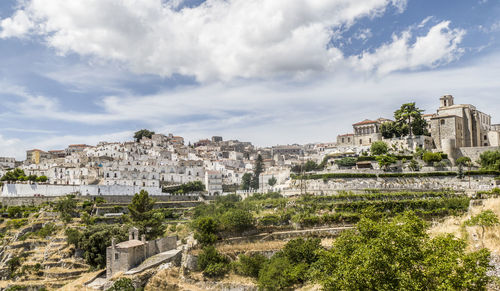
(446, 101)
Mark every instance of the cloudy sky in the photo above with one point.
(266, 71)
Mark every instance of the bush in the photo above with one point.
(490, 160)
(205, 230)
(237, 220)
(122, 284)
(346, 162)
(430, 158)
(379, 148)
(212, 263)
(249, 265)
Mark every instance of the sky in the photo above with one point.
(266, 71)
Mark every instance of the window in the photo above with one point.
(117, 255)
(343, 140)
(360, 141)
(485, 137)
(443, 121)
(370, 140)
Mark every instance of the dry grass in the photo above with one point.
(252, 247)
(472, 234)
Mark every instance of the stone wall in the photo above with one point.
(477, 183)
(474, 152)
(124, 199)
(30, 190)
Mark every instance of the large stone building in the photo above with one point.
(459, 125)
(365, 133)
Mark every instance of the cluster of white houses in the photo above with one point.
(162, 160)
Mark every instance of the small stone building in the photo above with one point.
(126, 255)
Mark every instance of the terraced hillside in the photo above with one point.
(34, 252)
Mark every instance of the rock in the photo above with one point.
(189, 262)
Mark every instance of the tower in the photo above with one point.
(446, 100)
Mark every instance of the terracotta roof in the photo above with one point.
(366, 121)
(347, 134)
(77, 145)
(129, 244)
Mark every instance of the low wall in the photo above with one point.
(29, 190)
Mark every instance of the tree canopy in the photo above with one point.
(259, 168)
(490, 160)
(138, 135)
(379, 148)
(408, 121)
(397, 254)
(148, 220)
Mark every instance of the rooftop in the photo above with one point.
(129, 244)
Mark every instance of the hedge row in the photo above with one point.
(482, 172)
(333, 176)
(373, 158)
(419, 175)
(375, 196)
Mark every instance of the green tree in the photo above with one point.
(67, 208)
(138, 135)
(122, 284)
(379, 148)
(246, 181)
(94, 240)
(206, 229)
(249, 265)
(259, 168)
(237, 220)
(397, 254)
(272, 181)
(430, 158)
(346, 162)
(212, 263)
(385, 161)
(310, 166)
(14, 175)
(42, 179)
(486, 218)
(411, 116)
(490, 160)
(291, 265)
(148, 220)
(461, 162)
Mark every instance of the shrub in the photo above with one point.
(205, 230)
(490, 160)
(249, 265)
(122, 284)
(346, 162)
(212, 263)
(379, 148)
(430, 158)
(237, 220)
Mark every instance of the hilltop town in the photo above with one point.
(159, 214)
(158, 162)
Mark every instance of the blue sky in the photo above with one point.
(267, 71)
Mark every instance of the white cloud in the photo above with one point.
(218, 40)
(438, 46)
(16, 26)
(11, 147)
